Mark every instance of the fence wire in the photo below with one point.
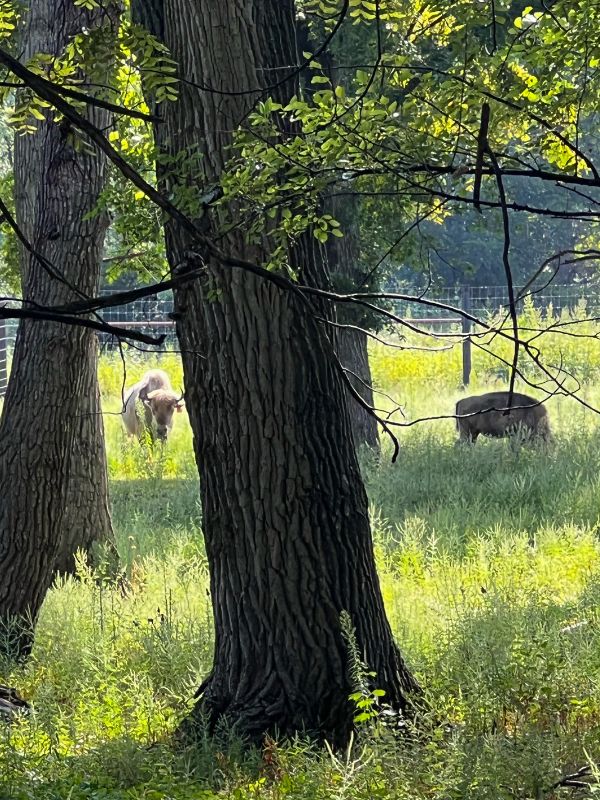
(484, 300)
(152, 315)
(149, 315)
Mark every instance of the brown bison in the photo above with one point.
(160, 402)
(485, 414)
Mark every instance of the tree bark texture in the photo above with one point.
(351, 339)
(351, 347)
(53, 480)
(284, 509)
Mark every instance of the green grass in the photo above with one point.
(570, 342)
(486, 554)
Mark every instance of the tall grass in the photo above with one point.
(489, 562)
(570, 342)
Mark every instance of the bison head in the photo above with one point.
(160, 406)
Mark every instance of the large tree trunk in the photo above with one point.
(52, 464)
(351, 347)
(351, 337)
(284, 509)
(87, 521)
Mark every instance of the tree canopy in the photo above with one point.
(399, 130)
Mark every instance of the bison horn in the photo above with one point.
(178, 403)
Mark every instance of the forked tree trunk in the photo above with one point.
(284, 508)
(52, 464)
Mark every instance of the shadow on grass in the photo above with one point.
(521, 664)
(148, 514)
(126, 769)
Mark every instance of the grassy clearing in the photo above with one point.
(487, 555)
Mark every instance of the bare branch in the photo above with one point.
(507, 270)
(51, 315)
(515, 106)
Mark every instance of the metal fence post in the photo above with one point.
(466, 329)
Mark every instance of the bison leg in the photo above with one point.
(466, 433)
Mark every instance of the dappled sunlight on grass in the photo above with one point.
(489, 562)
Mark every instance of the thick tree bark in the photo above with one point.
(87, 520)
(52, 464)
(351, 341)
(284, 509)
(351, 347)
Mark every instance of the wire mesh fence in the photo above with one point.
(7, 336)
(151, 315)
(148, 315)
(485, 300)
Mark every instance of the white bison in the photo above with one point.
(156, 394)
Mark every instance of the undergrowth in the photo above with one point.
(489, 561)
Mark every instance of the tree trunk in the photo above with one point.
(284, 509)
(52, 465)
(351, 347)
(87, 521)
(351, 340)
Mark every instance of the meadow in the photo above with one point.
(489, 560)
